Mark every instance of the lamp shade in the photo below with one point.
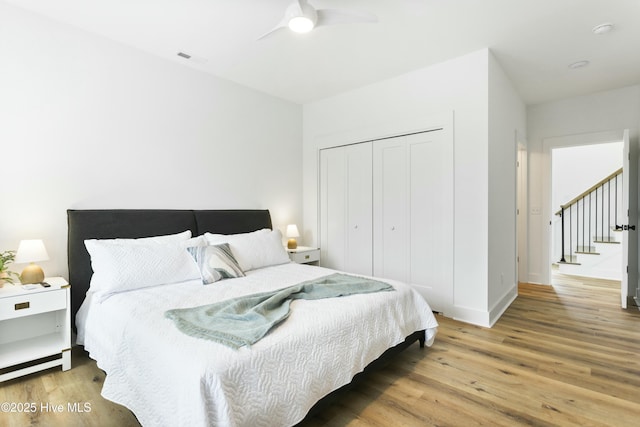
(292, 231)
(31, 251)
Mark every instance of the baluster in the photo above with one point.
(609, 212)
(583, 244)
(562, 259)
(602, 219)
(577, 225)
(570, 233)
(595, 209)
(616, 203)
(590, 235)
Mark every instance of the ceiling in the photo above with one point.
(533, 40)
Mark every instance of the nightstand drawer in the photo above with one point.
(305, 257)
(28, 304)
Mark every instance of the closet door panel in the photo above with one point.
(390, 209)
(332, 208)
(359, 224)
(430, 199)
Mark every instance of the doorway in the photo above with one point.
(630, 272)
(587, 181)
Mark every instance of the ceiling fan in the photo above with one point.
(301, 17)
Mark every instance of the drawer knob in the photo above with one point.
(22, 305)
(307, 256)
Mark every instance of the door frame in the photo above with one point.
(548, 144)
(522, 203)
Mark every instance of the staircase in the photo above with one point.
(588, 231)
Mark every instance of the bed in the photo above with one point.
(166, 377)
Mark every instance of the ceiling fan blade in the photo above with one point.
(281, 24)
(297, 7)
(339, 16)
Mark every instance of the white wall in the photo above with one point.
(611, 110)
(576, 169)
(88, 123)
(507, 118)
(415, 101)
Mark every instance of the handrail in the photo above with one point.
(585, 193)
(588, 216)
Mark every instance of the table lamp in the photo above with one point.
(31, 251)
(292, 233)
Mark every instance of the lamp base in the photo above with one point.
(292, 244)
(32, 273)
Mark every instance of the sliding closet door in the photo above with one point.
(390, 229)
(413, 214)
(333, 208)
(359, 225)
(430, 206)
(346, 208)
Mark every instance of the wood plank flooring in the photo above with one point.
(562, 355)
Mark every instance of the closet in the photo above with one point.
(391, 201)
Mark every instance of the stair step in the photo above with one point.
(605, 239)
(570, 259)
(587, 250)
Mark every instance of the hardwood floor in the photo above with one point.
(560, 356)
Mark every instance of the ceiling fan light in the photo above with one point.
(301, 24)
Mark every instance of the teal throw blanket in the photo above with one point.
(245, 320)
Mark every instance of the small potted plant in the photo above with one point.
(6, 258)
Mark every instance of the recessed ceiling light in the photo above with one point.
(602, 28)
(578, 64)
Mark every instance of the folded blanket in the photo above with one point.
(245, 320)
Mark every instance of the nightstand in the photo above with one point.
(35, 326)
(305, 255)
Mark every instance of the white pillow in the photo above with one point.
(253, 250)
(119, 267)
(169, 238)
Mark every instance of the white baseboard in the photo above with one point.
(486, 319)
(503, 303)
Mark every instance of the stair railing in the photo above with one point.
(595, 209)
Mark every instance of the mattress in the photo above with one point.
(167, 378)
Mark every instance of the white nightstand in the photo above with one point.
(305, 255)
(34, 324)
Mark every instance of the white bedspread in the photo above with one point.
(170, 379)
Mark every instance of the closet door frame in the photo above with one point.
(399, 127)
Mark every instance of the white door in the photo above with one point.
(332, 208)
(430, 217)
(359, 223)
(624, 284)
(390, 251)
(413, 214)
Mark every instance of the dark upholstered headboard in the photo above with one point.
(135, 223)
